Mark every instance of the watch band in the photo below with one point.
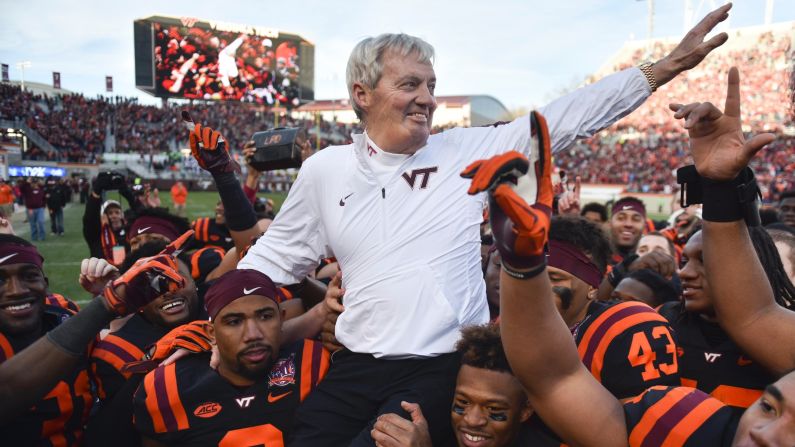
(646, 69)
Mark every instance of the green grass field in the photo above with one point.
(62, 255)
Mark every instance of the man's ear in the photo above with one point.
(362, 95)
(211, 333)
(592, 292)
(526, 412)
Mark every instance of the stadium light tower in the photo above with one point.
(22, 66)
(769, 11)
(649, 45)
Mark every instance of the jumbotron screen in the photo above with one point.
(199, 59)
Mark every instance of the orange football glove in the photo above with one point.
(520, 230)
(193, 337)
(210, 149)
(146, 280)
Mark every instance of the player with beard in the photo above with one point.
(44, 380)
(786, 208)
(252, 397)
(627, 221)
(708, 359)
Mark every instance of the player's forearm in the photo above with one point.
(538, 344)
(303, 326)
(743, 298)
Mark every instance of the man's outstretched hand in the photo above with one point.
(692, 49)
(719, 149)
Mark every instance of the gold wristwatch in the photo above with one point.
(645, 67)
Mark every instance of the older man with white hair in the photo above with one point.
(393, 210)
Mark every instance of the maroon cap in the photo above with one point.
(152, 224)
(236, 284)
(572, 260)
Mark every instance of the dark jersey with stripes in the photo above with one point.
(679, 417)
(207, 232)
(189, 403)
(118, 348)
(56, 420)
(710, 361)
(628, 347)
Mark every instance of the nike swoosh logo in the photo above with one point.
(626, 207)
(6, 258)
(342, 201)
(272, 398)
(249, 292)
(141, 230)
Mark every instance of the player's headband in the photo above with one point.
(629, 205)
(19, 254)
(572, 260)
(236, 284)
(152, 224)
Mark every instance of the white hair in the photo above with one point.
(365, 65)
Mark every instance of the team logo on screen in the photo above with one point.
(283, 372)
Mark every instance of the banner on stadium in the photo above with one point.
(35, 171)
(5, 72)
(56, 80)
(109, 84)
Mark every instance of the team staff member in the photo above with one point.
(44, 383)
(252, 397)
(406, 234)
(179, 197)
(6, 199)
(559, 388)
(104, 226)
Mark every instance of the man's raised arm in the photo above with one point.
(589, 109)
(744, 301)
(538, 344)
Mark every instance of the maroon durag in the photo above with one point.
(152, 224)
(571, 259)
(236, 284)
(19, 254)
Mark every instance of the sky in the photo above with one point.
(521, 52)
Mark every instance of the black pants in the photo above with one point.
(358, 388)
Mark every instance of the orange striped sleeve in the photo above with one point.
(151, 403)
(206, 228)
(736, 396)
(592, 329)
(116, 351)
(680, 433)
(173, 397)
(653, 414)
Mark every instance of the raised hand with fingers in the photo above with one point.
(569, 200)
(520, 206)
(209, 148)
(95, 274)
(192, 337)
(717, 144)
(146, 280)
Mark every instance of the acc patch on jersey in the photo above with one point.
(283, 372)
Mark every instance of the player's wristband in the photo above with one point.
(535, 271)
(239, 212)
(74, 334)
(733, 200)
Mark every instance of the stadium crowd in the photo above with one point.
(421, 289)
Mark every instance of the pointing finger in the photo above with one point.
(733, 94)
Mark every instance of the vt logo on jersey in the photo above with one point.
(244, 402)
(410, 178)
(712, 356)
(283, 372)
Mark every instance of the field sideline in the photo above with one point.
(62, 255)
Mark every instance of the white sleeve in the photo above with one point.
(580, 114)
(589, 109)
(295, 241)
